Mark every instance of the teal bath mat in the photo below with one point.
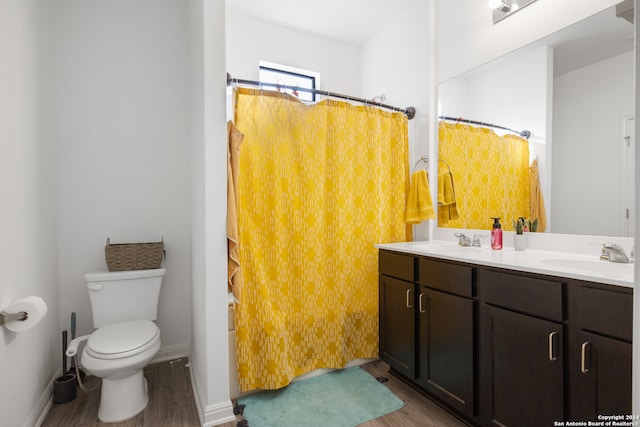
(343, 398)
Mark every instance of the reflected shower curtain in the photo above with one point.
(490, 172)
(319, 186)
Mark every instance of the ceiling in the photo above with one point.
(601, 36)
(349, 21)
(356, 21)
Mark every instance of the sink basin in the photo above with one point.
(588, 265)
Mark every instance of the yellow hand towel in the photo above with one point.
(536, 200)
(419, 202)
(447, 206)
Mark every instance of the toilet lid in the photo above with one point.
(122, 339)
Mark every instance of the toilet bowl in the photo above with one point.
(118, 353)
(124, 305)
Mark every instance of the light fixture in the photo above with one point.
(500, 5)
(504, 8)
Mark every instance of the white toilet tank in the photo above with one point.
(121, 296)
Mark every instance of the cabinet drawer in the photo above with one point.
(396, 265)
(601, 309)
(456, 279)
(538, 297)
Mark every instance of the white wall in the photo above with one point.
(209, 356)
(198, 288)
(589, 104)
(467, 37)
(514, 95)
(28, 250)
(123, 148)
(509, 92)
(396, 62)
(250, 40)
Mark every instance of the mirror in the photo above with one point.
(574, 91)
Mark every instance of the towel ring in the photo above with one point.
(424, 159)
(445, 162)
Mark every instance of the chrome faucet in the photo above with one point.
(615, 253)
(476, 240)
(463, 240)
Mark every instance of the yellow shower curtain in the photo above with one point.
(319, 185)
(490, 172)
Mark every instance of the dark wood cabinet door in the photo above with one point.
(397, 325)
(599, 376)
(522, 369)
(445, 348)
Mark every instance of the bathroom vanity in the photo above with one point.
(506, 338)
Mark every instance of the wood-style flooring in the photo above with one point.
(171, 403)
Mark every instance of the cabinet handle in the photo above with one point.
(420, 306)
(409, 299)
(552, 356)
(583, 358)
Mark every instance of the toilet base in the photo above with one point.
(123, 398)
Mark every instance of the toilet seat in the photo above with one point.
(124, 339)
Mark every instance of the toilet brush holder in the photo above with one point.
(64, 389)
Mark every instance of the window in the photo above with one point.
(290, 76)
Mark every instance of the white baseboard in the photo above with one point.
(218, 414)
(171, 353)
(44, 404)
(210, 415)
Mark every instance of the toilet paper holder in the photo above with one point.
(8, 317)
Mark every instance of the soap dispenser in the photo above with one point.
(496, 234)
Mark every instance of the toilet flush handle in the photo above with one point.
(94, 287)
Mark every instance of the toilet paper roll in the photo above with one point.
(35, 307)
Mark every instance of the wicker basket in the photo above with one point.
(133, 256)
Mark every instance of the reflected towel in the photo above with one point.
(447, 206)
(419, 202)
(536, 200)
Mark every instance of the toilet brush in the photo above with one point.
(65, 374)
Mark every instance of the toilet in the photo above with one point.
(124, 305)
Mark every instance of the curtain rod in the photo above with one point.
(525, 133)
(410, 112)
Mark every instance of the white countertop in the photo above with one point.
(560, 264)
